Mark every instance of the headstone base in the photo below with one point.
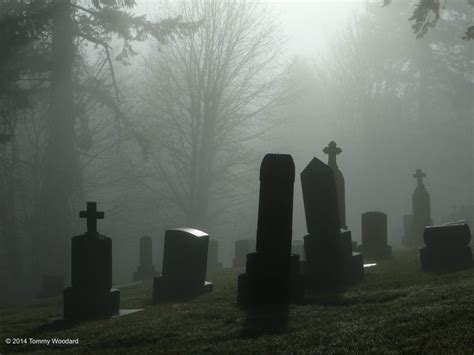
(165, 290)
(256, 287)
(445, 259)
(86, 305)
(144, 273)
(332, 265)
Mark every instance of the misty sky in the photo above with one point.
(306, 25)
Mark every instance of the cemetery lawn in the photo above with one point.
(396, 308)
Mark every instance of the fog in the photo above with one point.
(171, 132)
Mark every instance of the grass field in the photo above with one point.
(397, 308)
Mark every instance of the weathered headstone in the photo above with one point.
(213, 262)
(330, 263)
(332, 150)
(446, 248)
(91, 294)
(374, 235)
(421, 209)
(272, 272)
(146, 269)
(184, 266)
(242, 248)
(298, 248)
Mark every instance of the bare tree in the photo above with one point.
(209, 93)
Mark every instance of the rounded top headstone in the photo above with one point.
(277, 167)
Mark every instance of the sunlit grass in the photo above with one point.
(396, 308)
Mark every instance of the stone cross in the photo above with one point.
(332, 150)
(92, 215)
(419, 175)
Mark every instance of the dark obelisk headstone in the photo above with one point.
(421, 209)
(184, 266)
(146, 269)
(374, 235)
(213, 263)
(242, 248)
(332, 150)
(330, 263)
(272, 272)
(91, 294)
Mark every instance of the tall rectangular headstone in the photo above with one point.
(374, 235)
(421, 209)
(184, 265)
(213, 263)
(330, 263)
(91, 294)
(146, 269)
(272, 272)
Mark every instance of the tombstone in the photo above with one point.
(421, 209)
(184, 266)
(332, 150)
(242, 248)
(298, 248)
(146, 269)
(374, 235)
(407, 230)
(446, 248)
(330, 262)
(272, 272)
(91, 294)
(213, 263)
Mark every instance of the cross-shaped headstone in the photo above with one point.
(92, 215)
(419, 175)
(332, 150)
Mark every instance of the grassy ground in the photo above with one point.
(396, 309)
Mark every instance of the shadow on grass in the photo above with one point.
(265, 320)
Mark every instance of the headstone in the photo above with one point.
(374, 235)
(421, 209)
(91, 294)
(330, 263)
(213, 263)
(446, 248)
(332, 150)
(298, 248)
(407, 230)
(272, 272)
(184, 266)
(242, 248)
(146, 269)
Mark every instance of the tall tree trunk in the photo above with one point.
(61, 177)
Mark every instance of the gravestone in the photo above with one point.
(374, 235)
(446, 248)
(242, 248)
(184, 266)
(421, 209)
(91, 294)
(407, 230)
(146, 269)
(272, 272)
(213, 263)
(330, 262)
(332, 151)
(298, 248)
